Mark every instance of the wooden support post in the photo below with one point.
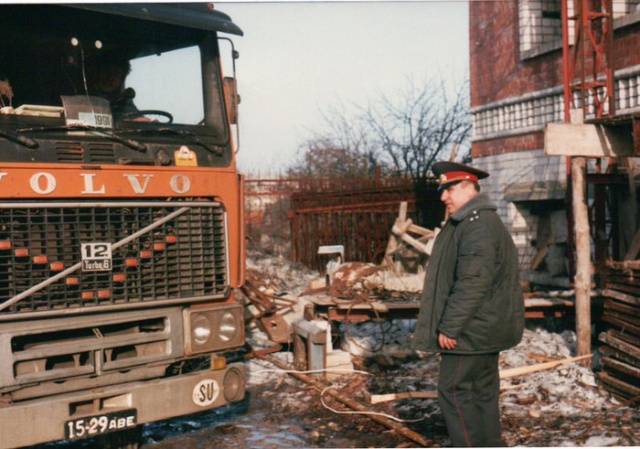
(632, 252)
(583, 258)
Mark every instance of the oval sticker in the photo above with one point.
(206, 392)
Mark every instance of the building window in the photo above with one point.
(621, 8)
(540, 24)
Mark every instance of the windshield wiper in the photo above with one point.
(218, 151)
(133, 144)
(27, 142)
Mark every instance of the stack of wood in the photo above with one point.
(621, 350)
(402, 246)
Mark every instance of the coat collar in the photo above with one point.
(479, 202)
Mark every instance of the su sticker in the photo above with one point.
(206, 392)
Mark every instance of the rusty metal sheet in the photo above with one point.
(276, 328)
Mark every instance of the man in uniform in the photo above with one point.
(472, 307)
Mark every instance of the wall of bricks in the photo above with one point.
(502, 36)
(540, 23)
(516, 77)
(523, 167)
(496, 70)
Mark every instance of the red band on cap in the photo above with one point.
(457, 176)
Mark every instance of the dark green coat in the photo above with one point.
(471, 290)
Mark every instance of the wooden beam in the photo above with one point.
(633, 204)
(504, 374)
(634, 248)
(583, 256)
(620, 345)
(514, 372)
(589, 140)
(378, 398)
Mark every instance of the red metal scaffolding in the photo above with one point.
(588, 61)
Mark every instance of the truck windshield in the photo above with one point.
(170, 82)
(151, 74)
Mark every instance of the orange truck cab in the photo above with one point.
(121, 220)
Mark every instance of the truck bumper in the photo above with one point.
(46, 419)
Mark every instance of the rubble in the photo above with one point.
(564, 405)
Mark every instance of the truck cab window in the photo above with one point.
(170, 82)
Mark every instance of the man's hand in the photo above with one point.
(446, 342)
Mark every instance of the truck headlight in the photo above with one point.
(214, 328)
(234, 385)
(201, 329)
(228, 327)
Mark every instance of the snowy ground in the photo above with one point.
(563, 406)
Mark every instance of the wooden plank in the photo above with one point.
(618, 355)
(621, 323)
(622, 388)
(539, 257)
(633, 194)
(620, 345)
(392, 247)
(631, 290)
(622, 308)
(589, 140)
(430, 243)
(420, 230)
(378, 398)
(548, 302)
(624, 266)
(413, 242)
(620, 296)
(624, 336)
(619, 278)
(513, 372)
(621, 367)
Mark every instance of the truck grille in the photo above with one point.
(160, 251)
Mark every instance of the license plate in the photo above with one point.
(90, 426)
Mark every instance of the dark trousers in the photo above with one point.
(468, 395)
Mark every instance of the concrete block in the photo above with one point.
(340, 362)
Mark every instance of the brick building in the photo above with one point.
(516, 72)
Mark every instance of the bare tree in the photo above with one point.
(321, 158)
(343, 150)
(420, 126)
(403, 135)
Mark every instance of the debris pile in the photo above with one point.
(621, 350)
(550, 401)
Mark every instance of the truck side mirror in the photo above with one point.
(232, 98)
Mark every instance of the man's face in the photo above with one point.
(109, 79)
(458, 195)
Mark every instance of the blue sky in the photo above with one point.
(300, 60)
